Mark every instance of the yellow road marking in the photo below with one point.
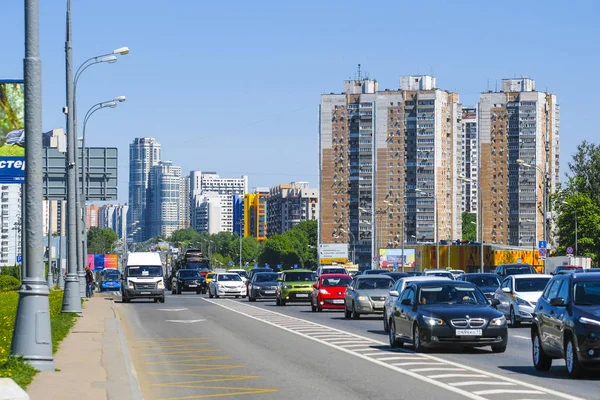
(170, 346)
(170, 339)
(181, 352)
(243, 391)
(193, 358)
(189, 372)
(216, 378)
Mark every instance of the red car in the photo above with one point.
(329, 291)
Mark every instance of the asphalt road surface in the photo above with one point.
(195, 348)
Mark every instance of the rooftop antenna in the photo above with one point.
(496, 87)
(488, 84)
(359, 74)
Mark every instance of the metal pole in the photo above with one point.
(32, 336)
(576, 233)
(71, 297)
(49, 277)
(240, 224)
(84, 195)
(79, 225)
(61, 278)
(481, 227)
(437, 241)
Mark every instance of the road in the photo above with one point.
(193, 347)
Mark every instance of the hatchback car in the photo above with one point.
(518, 296)
(366, 295)
(329, 292)
(227, 285)
(446, 313)
(294, 286)
(263, 286)
(567, 324)
(188, 280)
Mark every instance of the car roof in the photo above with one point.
(227, 273)
(335, 276)
(525, 276)
(581, 276)
(515, 265)
(298, 270)
(480, 274)
(409, 279)
(265, 272)
(373, 276)
(444, 282)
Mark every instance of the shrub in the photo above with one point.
(9, 283)
(13, 270)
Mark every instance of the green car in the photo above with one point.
(295, 286)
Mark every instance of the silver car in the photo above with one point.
(395, 292)
(366, 295)
(518, 296)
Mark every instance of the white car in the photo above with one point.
(457, 272)
(518, 296)
(331, 269)
(241, 272)
(439, 272)
(395, 292)
(227, 284)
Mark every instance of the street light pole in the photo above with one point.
(240, 224)
(32, 337)
(71, 296)
(49, 277)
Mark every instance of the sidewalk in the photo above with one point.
(92, 362)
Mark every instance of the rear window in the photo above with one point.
(531, 284)
(342, 281)
(519, 270)
(483, 280)
(333, 271)
(266, 277)
(188, 273)
(376, 283)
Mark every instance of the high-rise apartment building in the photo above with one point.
(517, 123)
(11, 224)
(389, 165)
(93, 216)
(209, 213)
(144, 153)
(114, 216)
(289, 204)
(238, 214)
(184, 203)
(164, 191)
(210, 183)
(471, 153)
(255, 214)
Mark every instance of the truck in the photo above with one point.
(553, 262)
(194, 259)
(142, 278)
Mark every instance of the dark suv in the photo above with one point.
(505, 270)
(566, 324)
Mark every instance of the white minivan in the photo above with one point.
(142, 278)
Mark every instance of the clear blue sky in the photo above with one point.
(233, 86)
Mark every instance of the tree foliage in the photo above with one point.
(101, 240)
(469, 226)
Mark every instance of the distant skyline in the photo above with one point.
(234, 87)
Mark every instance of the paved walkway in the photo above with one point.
(92, 362)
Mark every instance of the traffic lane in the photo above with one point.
(281, 361)
(516, 362)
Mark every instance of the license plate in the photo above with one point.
(145, 293)
(469, 332)
(192, 285)
(301, 295)
(338, 302)
(269, 292)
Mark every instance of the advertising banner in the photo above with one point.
(333, 253)
(111, 261)
(90, 261)
(98, 262)
(12, 131)
(390, 257)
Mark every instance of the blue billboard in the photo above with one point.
(12, 131)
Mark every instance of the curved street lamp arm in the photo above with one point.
(87, 64)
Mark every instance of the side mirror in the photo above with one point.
(495, 302)
(406, 302)
(506, 290)
(349, 288)
(557, 302)
(316, 286)
(394, 293)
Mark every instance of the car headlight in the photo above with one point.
(498, 321)
(362, 298)
(589, 321)
(219, 286)
(161, 285)
(323, 291)
(431, 321)
(130, 285)
(521, 302)
(287, 287)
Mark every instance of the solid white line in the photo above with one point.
(373, 354)
(408, 364)
(521, 337)
(436, 369)
(507, 391)
(433, 358)
(441, 376)
(350, 342)
(398, 358)
(348, 346)
(477, 383)
(361, 349)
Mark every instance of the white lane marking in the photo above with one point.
(507, 391)
(443, 376)
(347, 346)
(408, 364)
(171, 309)
(185, 321)
(490, 375)
(349, 342)
(477, 383)
(433, 369)
(398, 358)
(374, 354)
(521, 337)
(361, 349)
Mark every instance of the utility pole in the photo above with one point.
(71, 296)
(240, 224)
(32, 336)
(49, 277)
(61, 278)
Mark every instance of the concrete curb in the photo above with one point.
(9, 390)
(134, 384)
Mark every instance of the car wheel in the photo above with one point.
(347, 313)
(203, 291)
(313, 308)
(355, 315)
(513, 318)
(541, 361)
(394, 342)
(125, 300)
(237, 297)
(156, 300)
(417, 345)
(386, 325)
(277, 301)
(198, 291)
(282, 302)
(178, 290)
(162, 300)
(210, 295)
(574, 367)
(319, 308)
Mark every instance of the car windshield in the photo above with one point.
(197, 265)
(587, 293)
(144, 271)
(340, 281)
(446, 274)
(266, 277)
(299, 277)
(530, 284)
(111, 276)
(333, 271)
(451, 294)
(375, 283)
(189, 273)
(519, 270)
(483, 280)
(229, 277)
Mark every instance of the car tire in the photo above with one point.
(572, 363)
(394, 342)
(282, 302)
(162, 300)
(237, 297)
(417, 344)
(203, 291)
(277, 301)
(313, 308)
(355, 315)
(198, 291)
(178, 290)
(513, 318)
(319, 308)
(251, 299)
(541, 361)
(156, 299)
(347, 313)
(210, 295)
(386, 325)
(125, 300)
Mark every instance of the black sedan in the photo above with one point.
(188, 280)
(446, 313)
(487, 282)
(566, 323)
(263, 286)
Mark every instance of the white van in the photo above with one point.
(331, 269)
(143, 278)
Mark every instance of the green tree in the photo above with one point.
(469, 226)
(183, 236)
(276, 250)
(585, 171)
(101, 240)
(579, 207)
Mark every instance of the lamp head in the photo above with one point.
(111, 104)
(123, 51)
(120, 99)
(109, 59)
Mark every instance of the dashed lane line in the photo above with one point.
(292, 324)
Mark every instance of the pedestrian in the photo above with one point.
(89, 278)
